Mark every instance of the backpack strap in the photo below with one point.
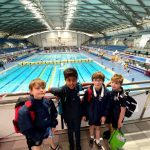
(64, 93)
(29, 105)
(90, 92)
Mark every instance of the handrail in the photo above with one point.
(13, 101)
(147, 89)
(131, 83)
(138, 89)
(140, 82)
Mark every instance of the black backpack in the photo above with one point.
(130, 106)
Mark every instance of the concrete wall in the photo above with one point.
(59, 38)
(7, 113)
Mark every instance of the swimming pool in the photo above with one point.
(17, 78)
(58, 56)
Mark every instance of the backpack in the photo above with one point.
(130, 103)
(90, 92)
(21, 102)
(130, 106)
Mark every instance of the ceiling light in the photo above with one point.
(57, 28)
(33, 7)
(72, 6)
(33, 34)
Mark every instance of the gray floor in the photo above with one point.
(137, 135)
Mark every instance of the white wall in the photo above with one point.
(59, 38)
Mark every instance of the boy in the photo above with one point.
(96, 108)
(118, 105)
(71, 107)
(45, 117)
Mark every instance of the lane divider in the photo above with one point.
(52, 78)
(43, 71)
(55, 62)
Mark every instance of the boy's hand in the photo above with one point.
(57, 98)
(53, 130)
(119, 124)
(83, 118)
(103, 119)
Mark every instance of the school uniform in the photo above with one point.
(97, 106)
(71, 111)
(45, 118)
(117, 100)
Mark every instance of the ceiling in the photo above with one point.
(89, 16)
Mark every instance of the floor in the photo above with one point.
(137, 135)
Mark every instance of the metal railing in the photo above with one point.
(12, 100)
(140, 90)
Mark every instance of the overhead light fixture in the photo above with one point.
(33, 7)
(58, 28)
(33, 34)
(72, 6)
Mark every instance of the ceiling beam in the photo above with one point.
(83, 30)
(130, 9)
(122, 12)
(114, 16)
(31, 31)
(8, 10)
(3, 3)
(18, 18)
(98, 18)
(41, 8)
(144, 7)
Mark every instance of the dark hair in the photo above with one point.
(70, 72)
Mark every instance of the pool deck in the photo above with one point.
(137, 135)
(118, 68)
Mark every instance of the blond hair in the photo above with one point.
(117, 78)
(37, 82)
(98, 75)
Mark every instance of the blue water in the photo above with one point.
(17, 79)
(54, 57)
